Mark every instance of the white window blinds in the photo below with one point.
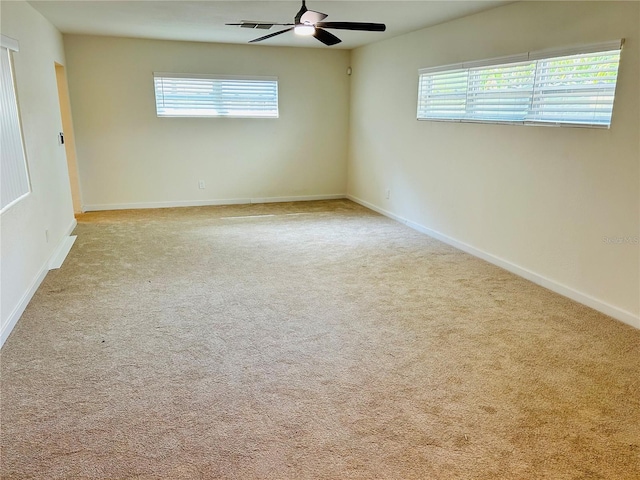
(180, 95)
(443, 95)
(14, 179)
(576, 89)
(501, 92)
(575, 86)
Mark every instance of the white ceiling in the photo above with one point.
(204, 21)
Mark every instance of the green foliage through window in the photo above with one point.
(571, 89)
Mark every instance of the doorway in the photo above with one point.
(69, 138)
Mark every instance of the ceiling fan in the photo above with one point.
(309, 22)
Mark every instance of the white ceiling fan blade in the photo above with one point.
(312, 17)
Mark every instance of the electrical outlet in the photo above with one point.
(388, 193)
(201, 185)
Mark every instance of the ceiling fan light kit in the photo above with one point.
(310, 23)
(306, 29)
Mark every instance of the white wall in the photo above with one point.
(129, 157)
(24, 249)
(538, 200)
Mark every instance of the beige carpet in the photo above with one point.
(307, 341)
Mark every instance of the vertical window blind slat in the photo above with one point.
(14, 178)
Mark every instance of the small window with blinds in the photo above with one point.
(574, 86)
(14, 179)
(190, 95)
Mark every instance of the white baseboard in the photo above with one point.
(22, 305)
(202, 203)
(58, 255)
(603, 307)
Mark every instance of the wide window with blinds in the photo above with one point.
(189, 95)
(14, 179)
(573, 86)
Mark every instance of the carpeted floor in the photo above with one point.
(311, 340)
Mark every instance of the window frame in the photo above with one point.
(20, 165)
(506, 61)
(232, 101)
